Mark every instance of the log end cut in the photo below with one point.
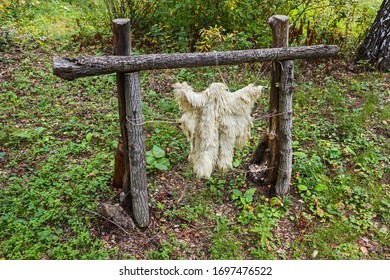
(64, 68)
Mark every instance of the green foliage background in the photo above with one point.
(57, 138)
(176, 25)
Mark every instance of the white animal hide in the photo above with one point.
(215, 121)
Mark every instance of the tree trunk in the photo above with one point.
(375, 48)
(70, 69)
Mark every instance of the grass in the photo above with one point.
(51, 169)
(57, 144)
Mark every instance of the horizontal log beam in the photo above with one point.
(70, 69)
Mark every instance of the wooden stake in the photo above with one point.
(122, 47)
(285, 128)
(137, 153)
(279, 26)
(130, 111)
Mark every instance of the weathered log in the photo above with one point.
(279, 26)
(285, 129)
(70, 69)
(130, 114)
(121, 46)
(137, 153)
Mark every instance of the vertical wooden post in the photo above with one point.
(137, 153)
(285, 128)
(122, 46)
(129, 90)
(279, 26)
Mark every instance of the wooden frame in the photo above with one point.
(277, 154)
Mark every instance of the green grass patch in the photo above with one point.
(57, 144)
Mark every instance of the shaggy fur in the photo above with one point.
(215, 121)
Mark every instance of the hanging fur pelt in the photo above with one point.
(215, 121)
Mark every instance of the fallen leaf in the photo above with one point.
(363, 250)
(314, 254)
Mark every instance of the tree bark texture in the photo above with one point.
(137, 153)
(70, 69)
(279, 26)
(131, 122)
(122, 47)
(376, 46)
(119, 166)
(285, 128)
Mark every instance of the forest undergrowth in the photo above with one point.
(58, 140)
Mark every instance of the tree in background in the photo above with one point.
(205, 25)
(375, 48)
(140, 12)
